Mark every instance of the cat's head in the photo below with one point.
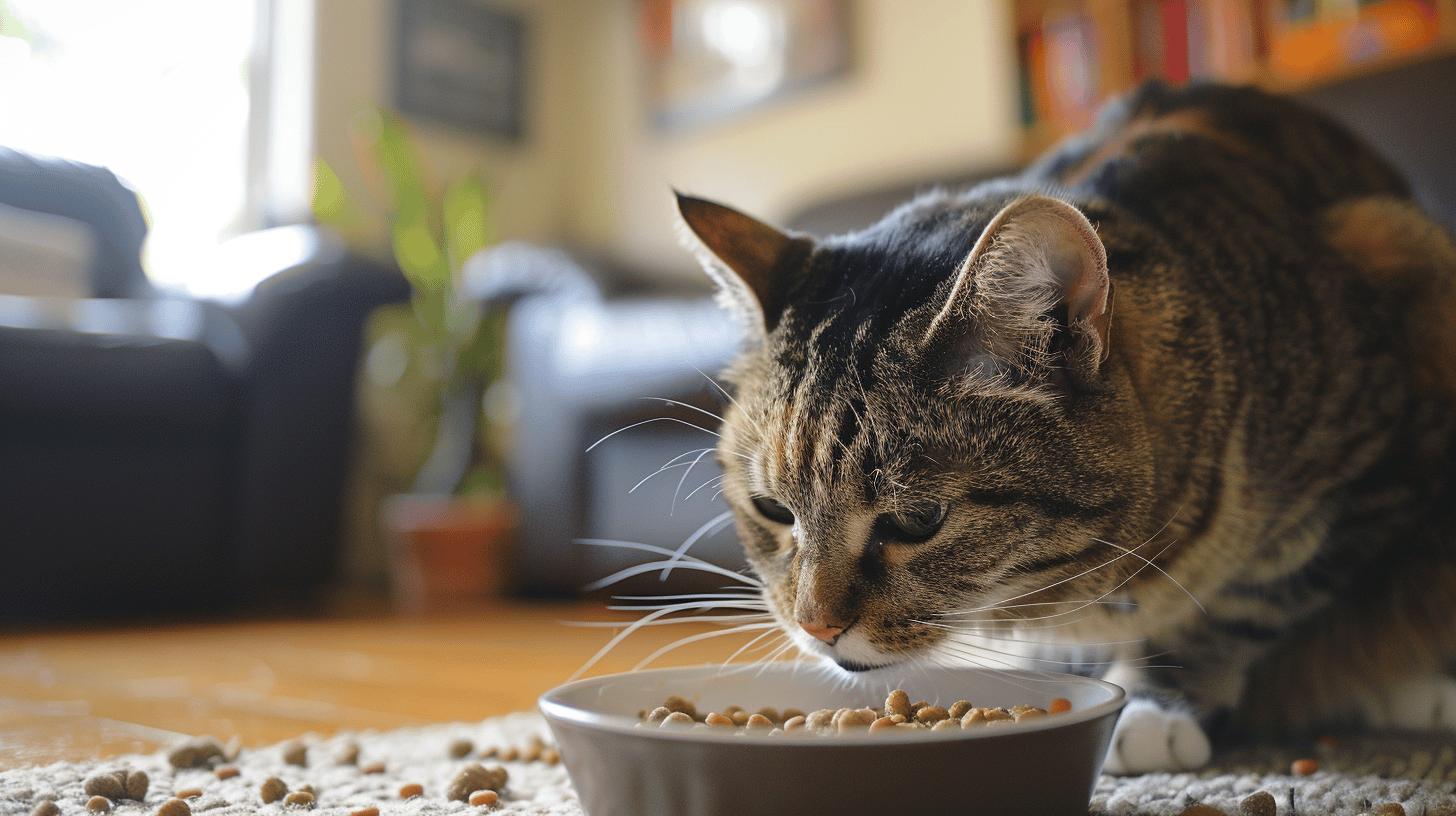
(923, 422)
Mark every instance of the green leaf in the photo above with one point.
(465, 210)
(331, 204)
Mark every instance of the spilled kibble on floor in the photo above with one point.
(299, 799)
(1304, 767)
(1259, 803)
(226, 772)
(272, 790)
(196, 753)
(188, 793)
(365, 811)
(897, 715)
(460, 748)
(46, 807)
(484, 798)
(98, 804)
(174, 807)
(411, 790)
(296, 753)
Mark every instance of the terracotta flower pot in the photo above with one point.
(448, 552)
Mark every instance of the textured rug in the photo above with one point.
(1354, 776)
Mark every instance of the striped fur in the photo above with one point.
(1272, 423)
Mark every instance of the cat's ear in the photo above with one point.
(751, 262)
(1033, 293)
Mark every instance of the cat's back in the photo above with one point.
(1159, 142)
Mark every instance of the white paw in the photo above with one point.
(1421, 703)
(1150, 738)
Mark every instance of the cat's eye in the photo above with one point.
(913, 524)
(773, 510)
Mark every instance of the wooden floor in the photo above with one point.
(74, 695)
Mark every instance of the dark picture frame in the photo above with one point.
(461, 63)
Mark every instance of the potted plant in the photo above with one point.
(428, 366)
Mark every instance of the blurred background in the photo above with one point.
(326, 304)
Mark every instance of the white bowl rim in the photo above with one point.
(553, 708)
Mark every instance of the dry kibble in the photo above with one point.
(460, 748)
(475, 777)
(299, 799)
(308, 789)
(227, 772)
(174, 807)
(373, 768)
(110, 785)
(1201, 810)
(930, 714)
(136, 783)
(718, 720)
(46, 807)
(676, 719)
(272, 790)
(946, 724)
(759, 722)
(898, 702)
(1389, 809)
(819, 721)
(411, 790)
(295, 753)
(958, 709)
(1059, 705)
(485, 798)
(490, 750)
(916, 706)
(731, 709)
(195, 753)
(97, 804)
(1303, 767)
(882, 724)
(534, 747)
(657, 715)
(739, 717)
(509, 754)
(1259, 803)
(854, 719)
(770, 714)
(188, 793)
(794, 723)
(348, 754)
(790, 713)
(1029, 713)
(365, 811)
(550, 756)
(676, 703)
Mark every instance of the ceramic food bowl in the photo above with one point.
(1045, 766)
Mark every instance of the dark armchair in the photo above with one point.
(166, 453)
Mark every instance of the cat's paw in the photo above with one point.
(1152, 738)
(1422, 703)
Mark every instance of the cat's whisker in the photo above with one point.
(718, 479)
(1085, 604)
(710, 527)
(729, 397)
(1049, 643)
(1054, 661)
(640, 423)
(706, 596)
(674, 462)
(701, 566)
(681, 404)
(1085, 572)
(671, 508)
(1175, 581)
(666, 621)
(626, 632)
(681, 642)
(742, 650)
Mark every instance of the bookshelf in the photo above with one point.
(1074, 54)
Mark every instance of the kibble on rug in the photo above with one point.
(463, 768)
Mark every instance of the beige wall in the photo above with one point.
(932, 90)
(528, 179)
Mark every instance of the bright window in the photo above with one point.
(155, 90)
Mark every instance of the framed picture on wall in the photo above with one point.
(709, 60)
(461, 63)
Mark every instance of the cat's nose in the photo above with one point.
(821, 630)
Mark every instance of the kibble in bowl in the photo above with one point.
(845, 750)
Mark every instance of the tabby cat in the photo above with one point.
(1206, 350)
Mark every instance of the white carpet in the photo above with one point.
(1418, 772)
